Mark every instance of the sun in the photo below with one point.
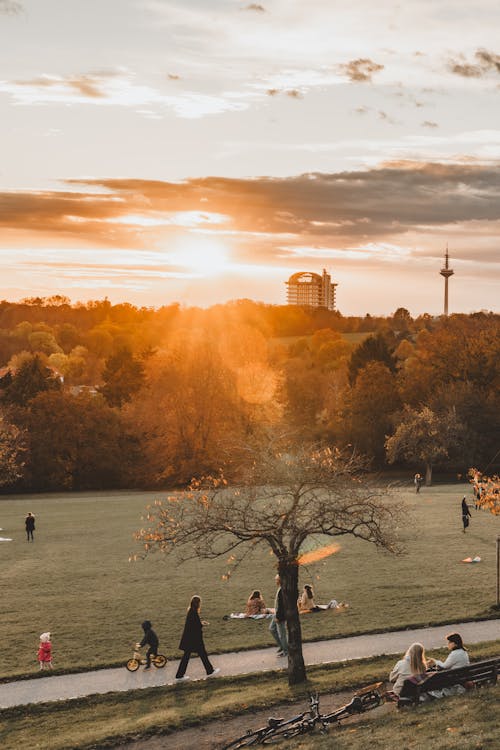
(205, 256)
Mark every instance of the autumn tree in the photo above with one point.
(187, 414)
(425, 437)
(284, 499)
(75, 442)
(33, 377)
(12, 452)
(372, 349)
(365, 418)
(123, 376)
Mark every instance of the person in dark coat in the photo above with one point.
(466, 514)
(151, 639)
(29, 522)
(192, 641)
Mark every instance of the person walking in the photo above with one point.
(417, 480)
(277, 627)
(466, 514)
(151, 639)
(192, 641)
(29, 523)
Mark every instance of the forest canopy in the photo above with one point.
(98, 395)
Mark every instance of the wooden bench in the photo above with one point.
(473, 675)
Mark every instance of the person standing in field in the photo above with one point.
(417, 480)
(29, 523)
(278, 622)
(192, 641)
(466, 514)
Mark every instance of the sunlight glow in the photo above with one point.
(204, 256)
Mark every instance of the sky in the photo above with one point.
(197, 151)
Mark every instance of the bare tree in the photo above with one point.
(285, 499)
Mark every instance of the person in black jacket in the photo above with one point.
(29, 522)
(466, 514)
(192, 640)
(151, 639)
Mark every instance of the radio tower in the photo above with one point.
(446, 272)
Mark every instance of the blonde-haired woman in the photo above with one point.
(413, 664)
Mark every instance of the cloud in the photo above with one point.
(341, 207)
(85, 85)
(10, 7)
(360, 70)
(485, 63)
(255, 7)
(120, 89)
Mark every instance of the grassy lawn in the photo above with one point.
(76, 581)
(119, 716)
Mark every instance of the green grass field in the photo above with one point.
(76, 580)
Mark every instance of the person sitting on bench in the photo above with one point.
(458, 657)
(413, 665)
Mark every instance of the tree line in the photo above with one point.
(95, 395)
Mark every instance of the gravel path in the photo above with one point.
(64, 687)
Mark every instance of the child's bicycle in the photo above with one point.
(133, 664)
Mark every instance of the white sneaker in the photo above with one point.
(212, 674)
(180, 679)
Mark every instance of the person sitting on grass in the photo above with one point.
(151, 639)
(255, 605)
(306, 602)
(413, 665)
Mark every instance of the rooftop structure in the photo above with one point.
(311, 289)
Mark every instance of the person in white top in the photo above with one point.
(458, 657)
(413, 664)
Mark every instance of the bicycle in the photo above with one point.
(278, 729)
(133, 664)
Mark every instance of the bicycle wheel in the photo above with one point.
(286, 732)
(159, 661)
(248, 740)
(132, 665)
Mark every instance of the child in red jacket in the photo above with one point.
(45, 651)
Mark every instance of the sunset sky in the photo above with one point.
(204, 150)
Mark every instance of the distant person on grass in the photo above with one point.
(466, 514)
(150, 639)
(277, 627)
(417, 480)
(29, 523)
(192, 641)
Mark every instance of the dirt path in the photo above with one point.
(215, 734)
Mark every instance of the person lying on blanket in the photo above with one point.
(306, 602)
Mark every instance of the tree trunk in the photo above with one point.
(428, 475)
(288, 570)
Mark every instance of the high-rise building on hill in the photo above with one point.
(311, 289)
